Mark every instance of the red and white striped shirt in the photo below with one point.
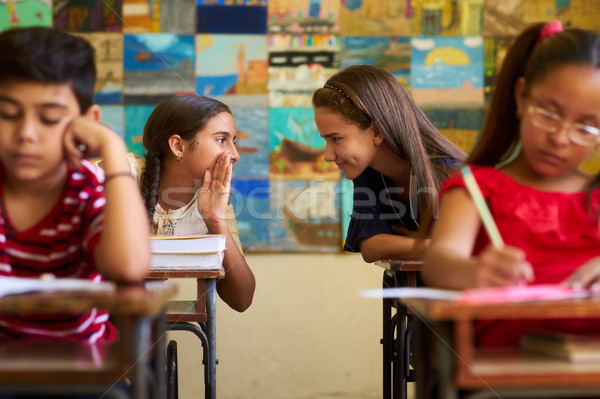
(62, 244)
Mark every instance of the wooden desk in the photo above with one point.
(498, 373)
(201, 310)
(66, 367)
(396, 351)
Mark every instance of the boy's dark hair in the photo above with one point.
(181, 115)
(47, 55)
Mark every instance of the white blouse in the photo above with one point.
(185, 220)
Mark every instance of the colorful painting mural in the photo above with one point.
(264, 59)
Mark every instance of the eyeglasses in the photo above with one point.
(551, 122)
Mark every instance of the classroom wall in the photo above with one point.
(307, 335)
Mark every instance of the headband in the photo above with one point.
(342, 92)
(549, 30)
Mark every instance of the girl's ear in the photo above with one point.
(377, 135)
(176, 146)
(94, 112)
(520, 87)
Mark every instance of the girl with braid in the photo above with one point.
(185, 179)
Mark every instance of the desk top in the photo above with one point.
(401, 264)
(129, 300)
(435, 309)
(187, 273)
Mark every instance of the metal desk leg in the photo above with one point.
(402, 367)
(211, 334)
(388, 338)
(207, 332)
(148, 375)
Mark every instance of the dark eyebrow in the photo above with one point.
(329, 134)
(43, 105)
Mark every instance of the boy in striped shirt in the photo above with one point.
(59, 213)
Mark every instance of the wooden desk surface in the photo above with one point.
(123, 300)
(186, 273)
(477, 368)
(452, 310)
(401, 264)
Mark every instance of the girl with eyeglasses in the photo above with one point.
(543, 122)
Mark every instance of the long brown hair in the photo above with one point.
(182, 115)
(374, 95)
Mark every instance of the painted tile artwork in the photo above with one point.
(460, 125)
(494, 51)
(109, 66)
(346, 202)
(389, 53)
(175, 17)
(265, 58)
(25, 13)
(226, 16)
(135, 119)
(141, 16)
(232, 68)
(296, 148)
(113, 116)
(88, 15)
(509, 17)
(375, 17)
(250, 199)
(252, 124)
(444, 69)
(300, 64)
(446, 17)
(303, 16)
(305, 216)
(158, 66)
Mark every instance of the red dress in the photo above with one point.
(558, 232)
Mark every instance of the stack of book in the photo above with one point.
(570, 347)
(187, 252)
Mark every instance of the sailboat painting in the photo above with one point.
(21, 13)
(109, 65)
(306, 216)
(252, 142)
(296, 148)
(250, 201)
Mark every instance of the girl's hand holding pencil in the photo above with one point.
(504, 266)
(498, 265)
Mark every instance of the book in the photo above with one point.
(175, 260)
(207, 243)
(571, 347)
(187, 252)
(474, 296)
